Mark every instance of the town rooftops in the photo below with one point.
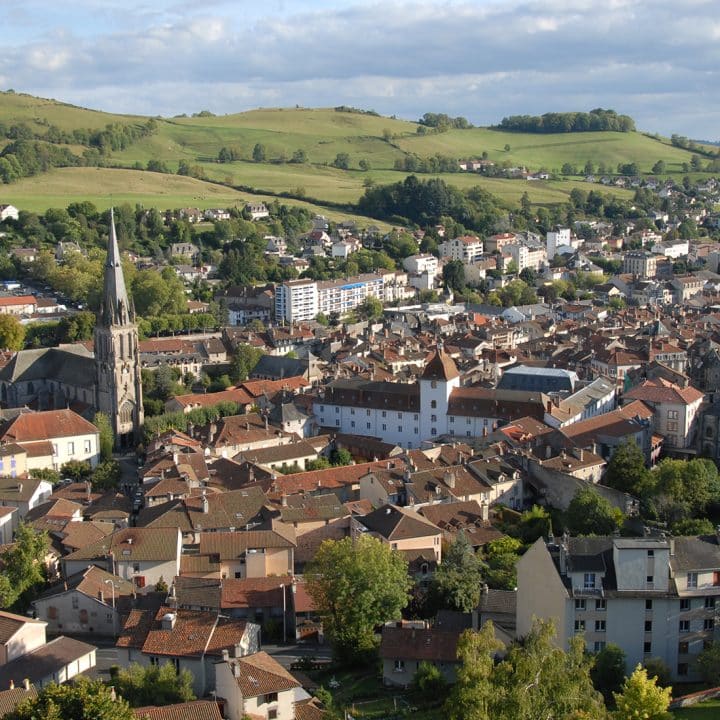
(395, 523)
(259, 674)
(137, 544)
(407, 643)
(29, 427)
(193, 710)
(663, 391)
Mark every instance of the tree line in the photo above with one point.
(594, 121)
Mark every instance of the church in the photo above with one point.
(105, 380)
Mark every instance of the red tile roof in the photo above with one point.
(663, 391)
(195, 710)
(30, 427)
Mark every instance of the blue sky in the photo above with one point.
(657, 60)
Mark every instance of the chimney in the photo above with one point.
(485, 511)
(225, 655)
(266, 422)
(168, 621)
(236, 670)
(449, 478)
(549, 407)
(283, 500)
(212, 432)
(251, 474)
(26, 684)
(205, 504)
(12, 684)
(238, 651)
(88, 490)
(20, 487)
(176, 457)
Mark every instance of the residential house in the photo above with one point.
(258, 686)
(189, 639)
(675, 410)
(23, 493)
(52, 438)
(19, 635)
(140, 555)
(402, 649)
(87, 603)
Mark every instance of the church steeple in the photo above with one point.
(116, 309)
(117, 357)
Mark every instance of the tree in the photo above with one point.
(341, 457)
(364, 165)
(640, 697)
(626, 470)
(244, 359)
(708, 664)
(535, 680)
(608, 670)
(80, 700)
(76, 469)
(659, 168)
(369, 309)
(154, 685)
(258, 153)
(12, 333)
(528, 275)
(342, 161)
(106, 475)
(457, 581)
(454, 275)
(589, 513)
(430, 681)
(357, 586)
(322, 319)
(501, 556)
(23, 565)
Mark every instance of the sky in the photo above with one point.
(655, 60)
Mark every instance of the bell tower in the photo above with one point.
(117, 361)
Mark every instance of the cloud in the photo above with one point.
(482, 60)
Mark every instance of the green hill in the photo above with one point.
(317, 135)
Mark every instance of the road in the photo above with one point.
(288, 654)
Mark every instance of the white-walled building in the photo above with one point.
(556, 239)
(466, 249)
(419, 264)
(653, 597)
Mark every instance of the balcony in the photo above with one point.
(582, 592)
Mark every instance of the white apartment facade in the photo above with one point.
(420, 264)
(466, 249)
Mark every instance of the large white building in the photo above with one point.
(526, 256)
(419, 264)
(300, 300)
(653, 597)
(406, 414)
(556, 239)
(467, 249)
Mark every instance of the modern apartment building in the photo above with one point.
(467, 249)
(653, 597)
(641, 264)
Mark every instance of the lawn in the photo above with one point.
(709, 710)
(105, 187)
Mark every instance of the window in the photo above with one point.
(352, 423)
(684, 605)
(451, 419)
(683, 647)
(433, 384)
(268, 698)
(599, 645)
(108, 617)
(684, 626)
(580, 605)
(52, 613)
(433, 431)
(648, 626)
(337, 410)
(384, 414)
(672, 426)
(600, 605)
(599, 626)
(682, 669)
(71, 448)
(589, 581)
(384, 427)
(433, 418)
(154, 660)
(708, 624)
(337, 423)
(368, 425)
(75, 602)
(88, 446)
(649, 579)
(651, 553)
(579, 626)
(672, 414)
(468, 421)
(272, 713)
(352, 411)
(647, 648)
(433, 404)
(399, 416)
(399, 666)
(709, 602)
(648, 604)
(55, 450)
(417, 431)
(692, 578)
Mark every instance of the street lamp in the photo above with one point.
(282, 587)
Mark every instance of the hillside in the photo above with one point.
(316, 137)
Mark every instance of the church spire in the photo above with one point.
(116, 308)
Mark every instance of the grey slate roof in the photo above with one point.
(279, 368)
(70, 366)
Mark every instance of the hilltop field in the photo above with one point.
(371, 148)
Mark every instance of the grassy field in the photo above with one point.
(321, 134)
(709, 710)
(105, 187)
